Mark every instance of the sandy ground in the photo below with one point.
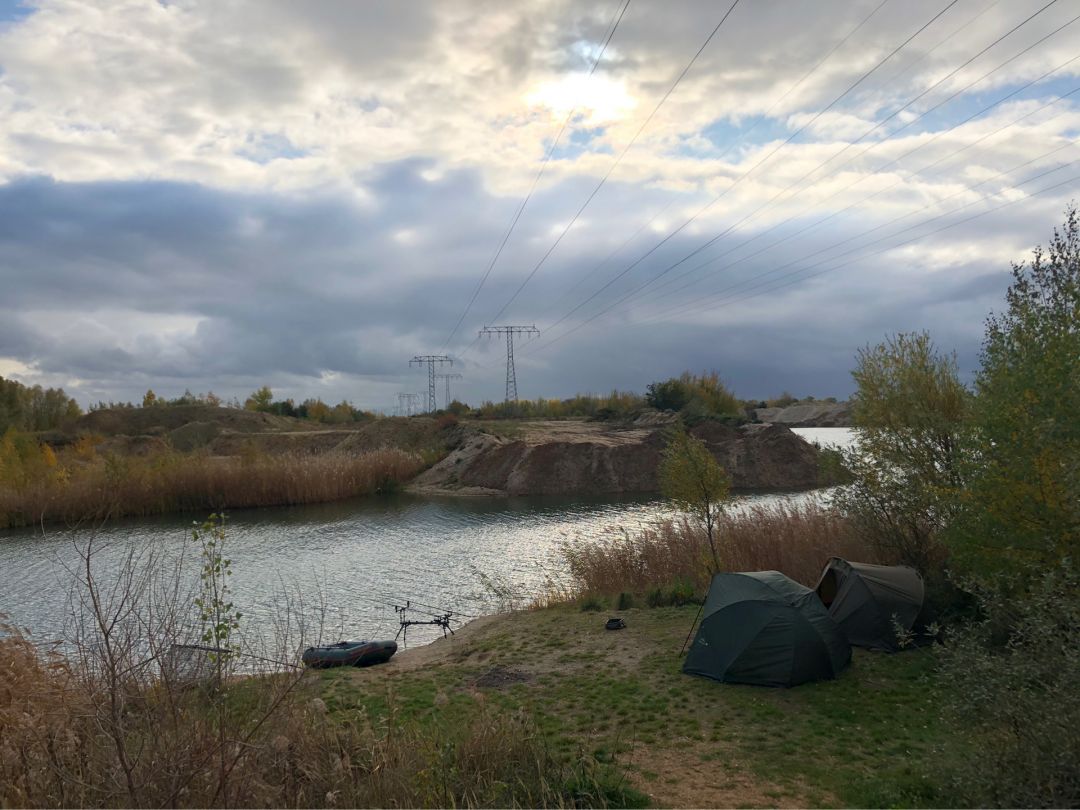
(575, 431)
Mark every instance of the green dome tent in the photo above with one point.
(763, 628)
(865, 600)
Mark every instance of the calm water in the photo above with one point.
(357, 558)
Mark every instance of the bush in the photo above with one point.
(677, 595)
(593, 603)
(626, 601)
(1014, 692)
(696, 397)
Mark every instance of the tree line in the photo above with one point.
(33, 408)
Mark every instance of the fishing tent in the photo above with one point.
(865, 600)
(763, 628)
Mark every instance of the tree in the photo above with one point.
(260, 400)
(693, 480)
(34, 408)
(910, 409)
(1021, 507)
(149, 399)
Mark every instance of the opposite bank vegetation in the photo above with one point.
(125, 461)
(977, 487)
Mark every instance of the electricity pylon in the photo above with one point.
(510, 331)
(431, 360)
(406, 403)
(448, 378)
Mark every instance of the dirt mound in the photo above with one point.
(761, 456)
(193, 435)
(143, 421)
(595, 460)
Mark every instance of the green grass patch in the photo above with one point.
(865, 739)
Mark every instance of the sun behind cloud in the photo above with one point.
(598, 99)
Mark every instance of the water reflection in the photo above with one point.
(358, 558)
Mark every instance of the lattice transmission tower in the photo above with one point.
(447, 378)
(431, 361)
(407, 403)
(510, 332)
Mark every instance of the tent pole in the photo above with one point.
(701, 607)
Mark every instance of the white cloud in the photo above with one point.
(363, 152)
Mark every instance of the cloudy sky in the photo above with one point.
(224, 194)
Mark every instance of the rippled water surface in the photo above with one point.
(357, 557)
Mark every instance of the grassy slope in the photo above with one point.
(862, 740)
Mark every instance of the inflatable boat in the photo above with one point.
(349, 654)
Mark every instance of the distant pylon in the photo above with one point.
(448, 378)
(407, 403)
(510, 331)
(431, 360)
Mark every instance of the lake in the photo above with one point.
(357, 558)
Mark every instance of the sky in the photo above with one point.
(223, 195)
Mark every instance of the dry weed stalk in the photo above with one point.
(199, 482)
(795, 540)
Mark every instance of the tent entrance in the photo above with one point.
(828, 587)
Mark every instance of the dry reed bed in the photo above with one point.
(197, 482)
(795, 540)
(70, 737)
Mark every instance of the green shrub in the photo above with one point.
(681, 593)
(677, 595)
(1014, 693)
(593, 603)
(655, 598)
(697, 397)
(626, 601)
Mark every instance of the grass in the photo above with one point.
(866, 739)
(115, 486)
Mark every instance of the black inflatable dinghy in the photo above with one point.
(349, 654)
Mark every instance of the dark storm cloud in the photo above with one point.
(282, 288)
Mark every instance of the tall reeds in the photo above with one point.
(61, 745)
(116, 486)
(795, 540)
(111, 720)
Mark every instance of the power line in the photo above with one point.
(1070, 181)
(700, 304)
(865, 177)
(742, 138)
(543, 166)
(637, 290)
(753, 168)
(617, 161)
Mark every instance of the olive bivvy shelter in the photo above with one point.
(870, 601)
(762, 628)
